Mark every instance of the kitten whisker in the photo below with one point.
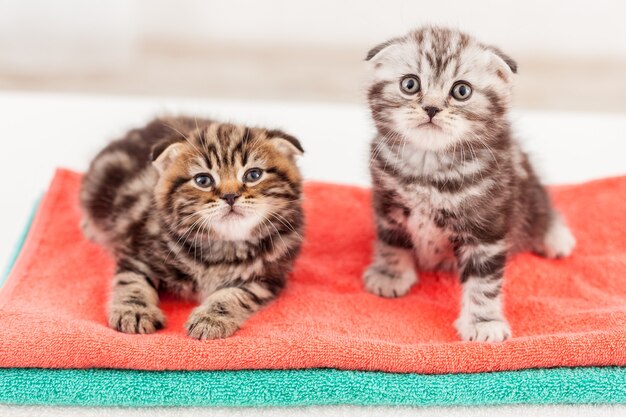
(285, 223)
(184, 137)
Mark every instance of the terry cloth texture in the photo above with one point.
(101, 387)
(569, 312)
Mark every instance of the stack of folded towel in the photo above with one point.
(325, 340)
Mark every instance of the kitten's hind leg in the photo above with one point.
(558, 242)
(223, 312)
(392, 272)
(133, 307)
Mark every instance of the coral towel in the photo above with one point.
(569, 312)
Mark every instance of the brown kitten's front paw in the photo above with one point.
(386, 283)
(483, 331)
(203, 325)
(136, 319)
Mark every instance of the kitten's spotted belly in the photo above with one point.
(432, 247)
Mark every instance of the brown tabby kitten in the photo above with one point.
(198, 208)
(452, 188)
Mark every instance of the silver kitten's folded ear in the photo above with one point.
(507, 59)
(378, 48)
(165, 152)
(285, 143)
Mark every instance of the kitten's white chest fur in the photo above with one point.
(432, 247)
(431, 244)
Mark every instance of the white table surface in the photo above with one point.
(41, 132)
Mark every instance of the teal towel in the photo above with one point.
(104, 387)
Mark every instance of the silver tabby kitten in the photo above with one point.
(452, 188)
(201, 209)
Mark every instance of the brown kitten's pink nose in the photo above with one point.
(431, 111)
(230, 198)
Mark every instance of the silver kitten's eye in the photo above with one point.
(252, 175)
(410, 84)
(461, 90)
(203, 180)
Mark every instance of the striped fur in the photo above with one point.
(142, 199)
(452, 189)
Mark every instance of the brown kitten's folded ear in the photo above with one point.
(165, 152)
(507, 59)
(285, 143)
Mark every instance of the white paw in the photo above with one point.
(388, 283)
(483, 331)
(559, 241)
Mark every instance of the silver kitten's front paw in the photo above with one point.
(136, 319)
(386, 283)
(483, 331)
(204, 324)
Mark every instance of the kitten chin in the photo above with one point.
(452, 189)
(201, 209)
(237, 226)
(428, 137)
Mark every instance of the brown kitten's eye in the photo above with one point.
(203, 180)
(410, 84)
(461, 90)
(252, 175)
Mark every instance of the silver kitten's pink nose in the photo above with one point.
(431, 111)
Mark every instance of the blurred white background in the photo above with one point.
(572, 54)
